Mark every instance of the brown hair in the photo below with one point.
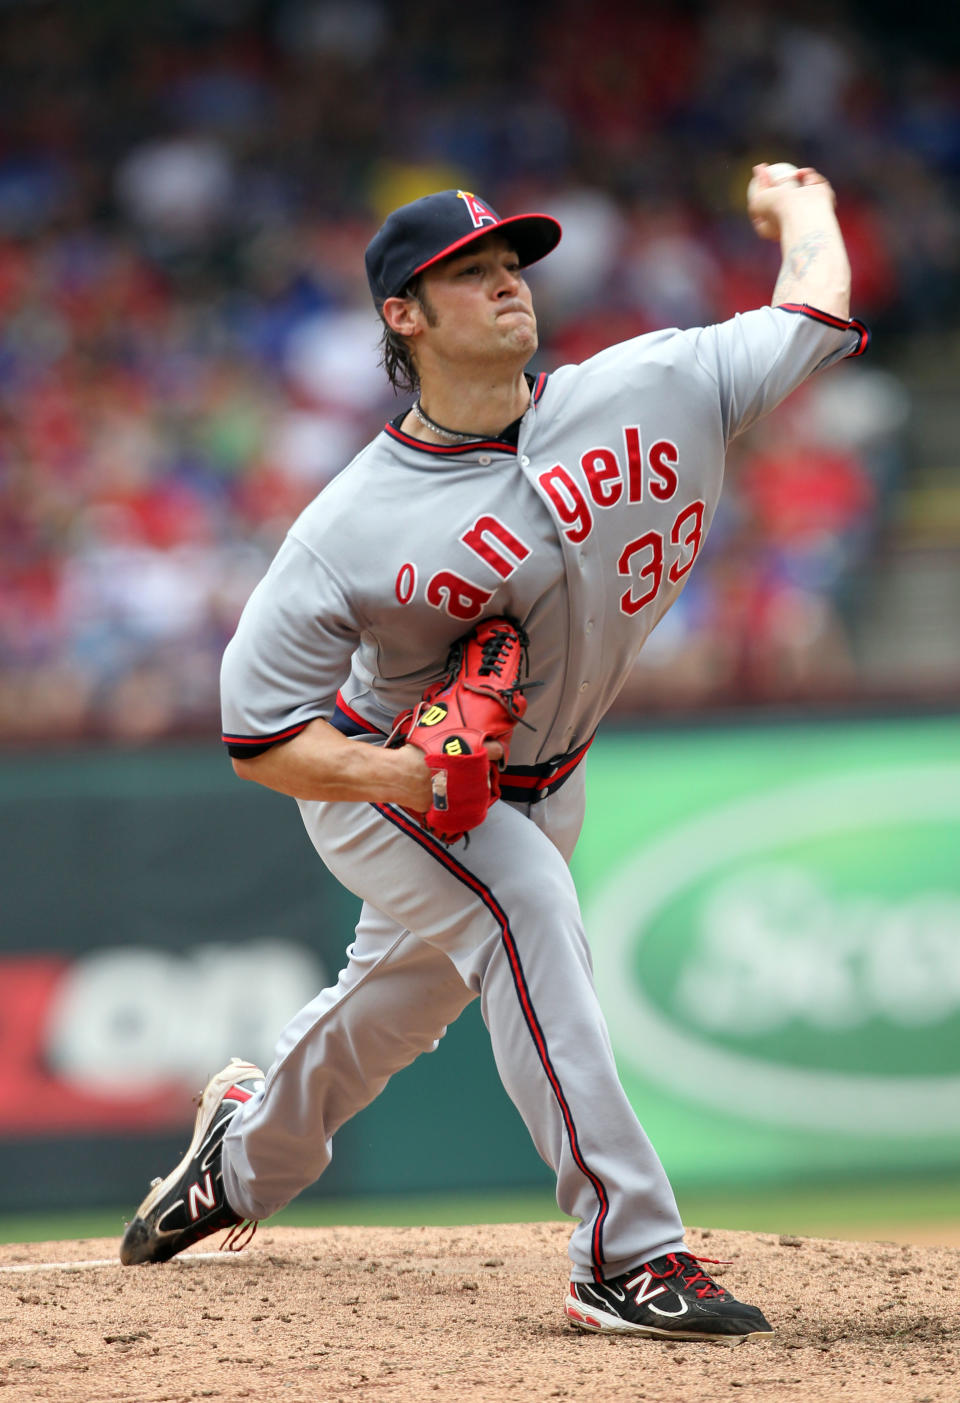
(396, 355)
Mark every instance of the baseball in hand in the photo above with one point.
(780, 173)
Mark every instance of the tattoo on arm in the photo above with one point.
(798, 262)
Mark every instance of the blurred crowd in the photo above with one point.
(188, 353)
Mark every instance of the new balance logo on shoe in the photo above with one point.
(190, 1203)
(690, 1304)
(201, 1196)
(647, 1289)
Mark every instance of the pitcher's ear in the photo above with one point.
(403, 315)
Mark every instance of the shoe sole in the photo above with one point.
(139, 1234)
(599, 1322)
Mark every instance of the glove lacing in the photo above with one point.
(493, 652)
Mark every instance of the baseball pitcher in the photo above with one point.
(423, 669)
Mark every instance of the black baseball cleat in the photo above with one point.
(666, 1298)
(190, 1203)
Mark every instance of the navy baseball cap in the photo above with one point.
(421, 233)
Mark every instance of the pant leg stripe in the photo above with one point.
(442, 854)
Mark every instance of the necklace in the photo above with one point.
(451, 435)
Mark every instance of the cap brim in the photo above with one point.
(532, 235)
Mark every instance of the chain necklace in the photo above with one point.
(451, 435)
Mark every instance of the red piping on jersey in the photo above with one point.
(828, 319)
(355, 716)
(264, 740)
(495, 445)
(437, 850)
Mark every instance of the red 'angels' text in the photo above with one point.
(493, 543)
(629, 477)
(606, 479)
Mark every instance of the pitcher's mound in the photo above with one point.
(405, 1315)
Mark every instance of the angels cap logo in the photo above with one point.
(480, 214)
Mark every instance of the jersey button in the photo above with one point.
(588, 626)
(584, 686)
(525, 461)
(484, 460)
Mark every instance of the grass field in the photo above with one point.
(847, 1210)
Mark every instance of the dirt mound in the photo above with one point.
(407, 1314)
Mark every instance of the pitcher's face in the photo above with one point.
(477, 305)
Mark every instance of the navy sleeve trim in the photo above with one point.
(828, 319)
(349, 722)
(245, 747)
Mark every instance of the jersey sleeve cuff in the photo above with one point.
(246, 747)
(828, 319)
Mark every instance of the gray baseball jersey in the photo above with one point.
(585, 531)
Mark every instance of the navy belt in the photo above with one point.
(520, 784)
(528, 784)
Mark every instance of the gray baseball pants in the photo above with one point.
(497, 919)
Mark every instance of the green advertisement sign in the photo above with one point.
(775, 919)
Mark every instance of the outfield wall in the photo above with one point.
(775, 915)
